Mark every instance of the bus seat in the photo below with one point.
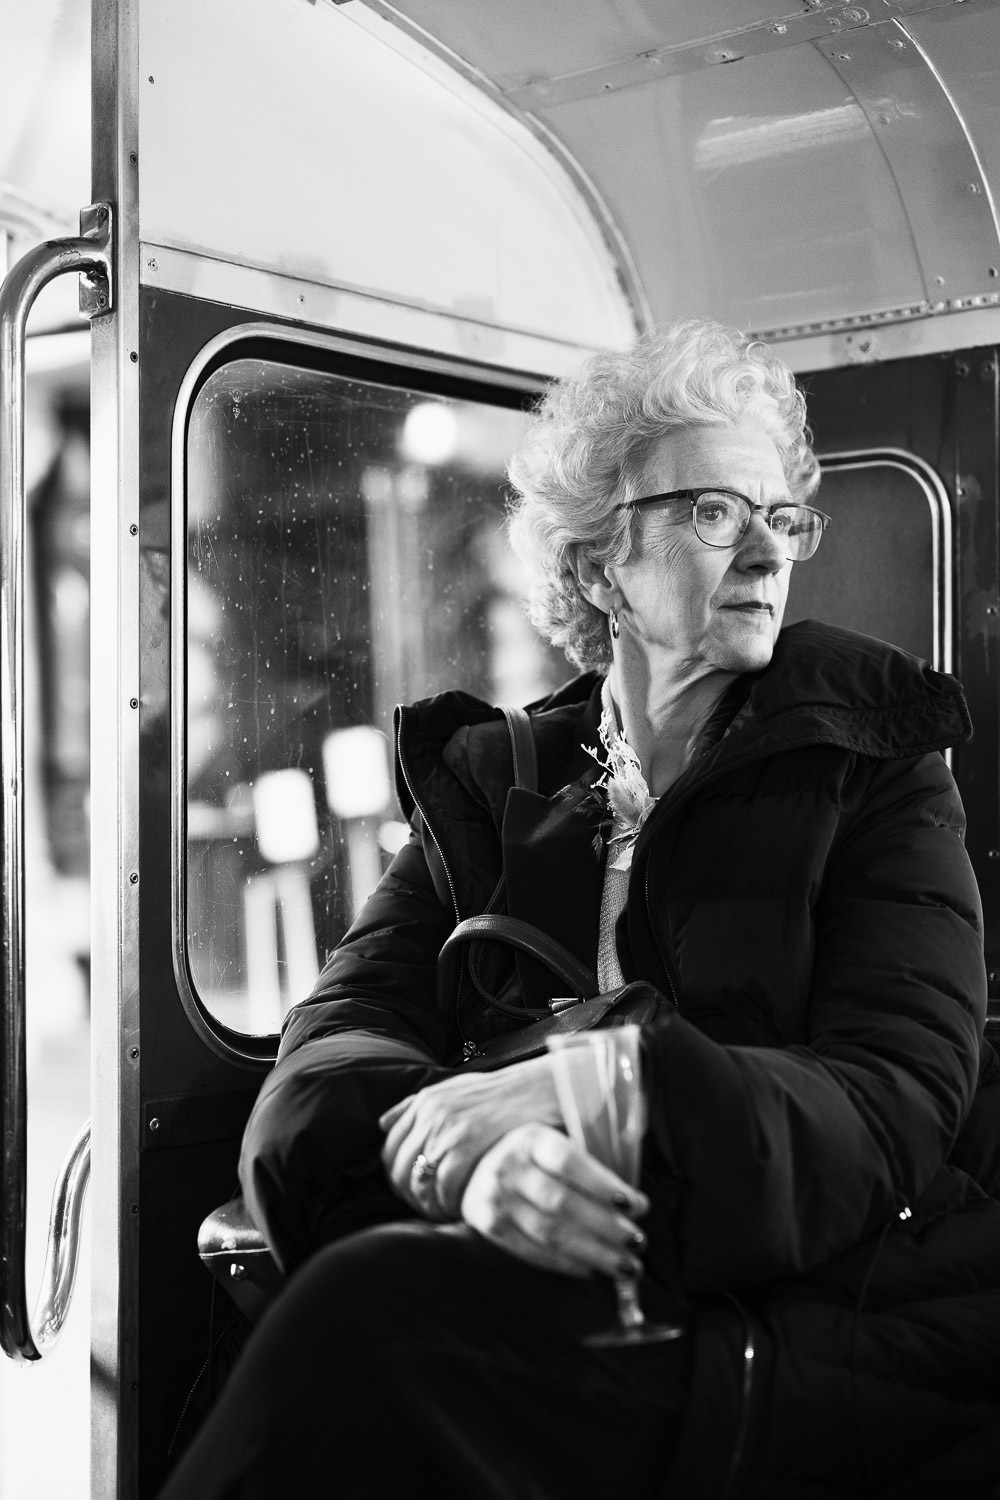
(233, 1249)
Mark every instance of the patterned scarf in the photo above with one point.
(629, 799)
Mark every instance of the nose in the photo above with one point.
(759, 550)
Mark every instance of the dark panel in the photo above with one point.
(875, 569)
(943, 408)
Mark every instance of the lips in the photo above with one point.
(752, 606)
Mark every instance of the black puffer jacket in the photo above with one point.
(804, 897)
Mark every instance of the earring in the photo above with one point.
(613, 622)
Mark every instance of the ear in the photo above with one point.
(597, 581)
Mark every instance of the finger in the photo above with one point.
(511, 1237)
(588, 1220)
(499, 1226)
(558, 1156)
(393, 1122)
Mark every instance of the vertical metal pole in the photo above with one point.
(115, 1042)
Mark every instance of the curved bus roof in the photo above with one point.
(516, 182)
(826, 175)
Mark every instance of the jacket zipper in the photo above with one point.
(739, 1446)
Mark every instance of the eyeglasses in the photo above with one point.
(721, 517)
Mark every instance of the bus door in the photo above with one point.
(325, 277)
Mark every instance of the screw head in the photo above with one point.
(133, 356)
(133, 1053)
(154, 1123)
(133, 530)
(134, 878)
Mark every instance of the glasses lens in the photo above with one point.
(720, 519)
(801, 528)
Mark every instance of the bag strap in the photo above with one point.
(494, 927)
(522, 745)
(531, 940)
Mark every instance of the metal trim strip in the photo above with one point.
(115, 485)
(347, 311)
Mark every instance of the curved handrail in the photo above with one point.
(90, 254)
(62, 1252)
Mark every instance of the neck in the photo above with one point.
(663, 713)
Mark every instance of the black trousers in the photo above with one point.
(415, 1359)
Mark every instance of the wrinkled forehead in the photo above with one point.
(740, 458)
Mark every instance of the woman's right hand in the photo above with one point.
(538, 1196)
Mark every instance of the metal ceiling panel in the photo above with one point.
(757, 194)
(796, 169)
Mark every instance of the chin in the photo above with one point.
(747, 655)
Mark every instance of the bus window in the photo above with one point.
(886, 563)
(345, 553)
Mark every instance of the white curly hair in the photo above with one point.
(589, 441)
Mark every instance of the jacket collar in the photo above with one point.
(825, 685)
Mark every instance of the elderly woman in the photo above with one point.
(759, 823)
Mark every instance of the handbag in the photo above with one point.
(582, 1008)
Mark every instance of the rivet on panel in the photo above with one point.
(855, 15)
(961, 368)
(134, 878)
(993, 976)
(154, 1123)
(133, 703)
(237, 1272)
(151, 263)
(133, 356)
(974, 188)
(777, 28)
(897, 44)
(133, 1053)
(993, 271)
(994, 854)
(133, 530)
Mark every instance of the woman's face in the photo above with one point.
(706, 608)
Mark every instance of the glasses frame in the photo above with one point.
(767, 512)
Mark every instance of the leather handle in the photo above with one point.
(531, 940)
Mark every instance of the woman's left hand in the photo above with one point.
(436, 1137)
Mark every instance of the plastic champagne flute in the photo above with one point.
(598, 1084)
